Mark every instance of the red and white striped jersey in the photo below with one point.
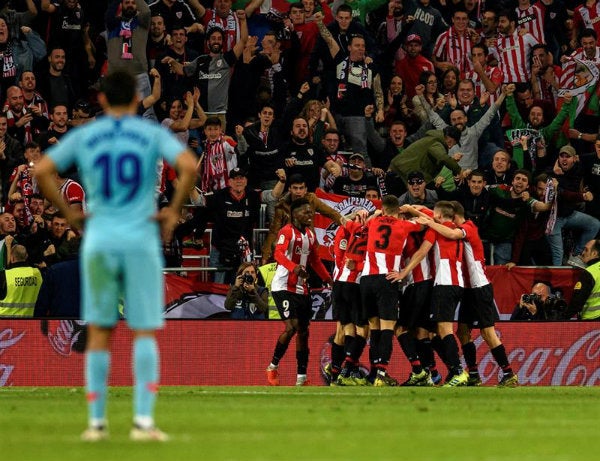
(567, 79)
(514, 52)
(385, 243)
(455, 48)
(294, 248)
(473, 257)
(350, 243)
(230, 25)
(587, 17)
(447, 257)
(424, 270)
(72, 192)
(494, 74)
(532, 20)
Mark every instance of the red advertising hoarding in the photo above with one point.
(227, 352)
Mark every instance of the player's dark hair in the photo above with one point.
(214, 29)
(390, 204)
(297, 6)
(296, 179)
(424, 77)
(298, 203)
(524, 173)
(375, 188)
(119, 88)
(511, 15)
(588, 33)
(482, 46)
(458, 208)
(446, 209)
(212, 121)
(541, 178)
(346, 8)
(596, 246)
(479, 173)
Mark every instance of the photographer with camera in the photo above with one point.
(245, 299)
(540, 304)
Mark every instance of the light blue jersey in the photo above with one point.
(121, 253)
(117, 161)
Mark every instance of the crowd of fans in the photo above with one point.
(493, 105)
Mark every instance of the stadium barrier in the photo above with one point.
(228, 352)
(190, 297)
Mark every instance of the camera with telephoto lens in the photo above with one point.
(247, 278)
(531, 298)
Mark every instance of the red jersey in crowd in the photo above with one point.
(294, 248)
(494, 74)
(386, 239)
(410, 70)
(473, 257)
(447, 257)
(455, 48)
(230, 25)
(532, 20)
(514, 51)
(350, 243)
(587, 17)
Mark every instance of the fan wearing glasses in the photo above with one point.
(417, 193)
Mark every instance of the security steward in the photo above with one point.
(586, 294)
(19, 285)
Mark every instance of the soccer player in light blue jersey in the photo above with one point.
(121, 252)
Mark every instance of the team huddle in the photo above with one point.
(401, 271)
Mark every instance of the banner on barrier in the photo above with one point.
(187, 298)
(204, 353)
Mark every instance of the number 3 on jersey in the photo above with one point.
(384, 237)
(122, 173)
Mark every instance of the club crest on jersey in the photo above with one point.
(345, 207)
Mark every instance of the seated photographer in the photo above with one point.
(245, 299)
(540, 304)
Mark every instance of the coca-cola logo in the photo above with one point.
(575, 365)
(7, 339)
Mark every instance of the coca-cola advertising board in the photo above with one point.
(228, 352)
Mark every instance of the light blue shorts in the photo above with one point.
(133, 275)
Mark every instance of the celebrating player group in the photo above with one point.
(402, 271)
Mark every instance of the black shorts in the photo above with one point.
(444, 301)
(415, 306)
(478, 309)
(293, 306)
(379, 297)
(347, 305)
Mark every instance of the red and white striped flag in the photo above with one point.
(325, 228)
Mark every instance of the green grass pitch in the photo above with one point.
(312, 423)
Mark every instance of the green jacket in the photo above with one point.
(427, 155)
(518, 125)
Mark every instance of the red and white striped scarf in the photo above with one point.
(214, 169)
(550, 196)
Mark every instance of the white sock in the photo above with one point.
(144, 422)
